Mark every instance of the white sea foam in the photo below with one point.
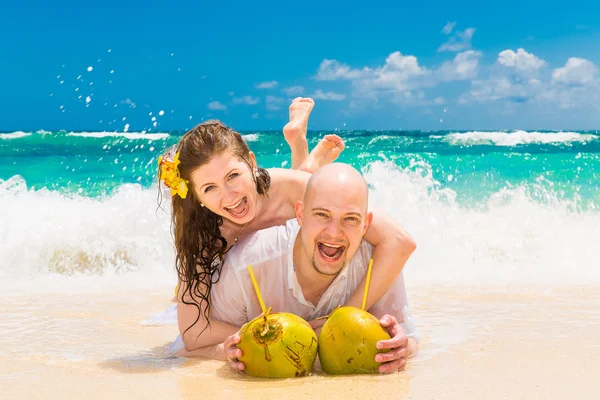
(14, 135)
(509, 239)
(127, 135)
(52, 241)
(66, 239)
(379, 139)
(515, 138)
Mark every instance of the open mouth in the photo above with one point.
(330, 252)
(239, 209)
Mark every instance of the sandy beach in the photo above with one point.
(532, 342)
(137, 138)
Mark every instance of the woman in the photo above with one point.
(220, 195)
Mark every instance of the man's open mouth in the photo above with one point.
(331, 252)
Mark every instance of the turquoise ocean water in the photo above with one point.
(510, 205)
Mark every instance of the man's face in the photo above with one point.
(334, 220)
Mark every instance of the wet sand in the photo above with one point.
(533, 342)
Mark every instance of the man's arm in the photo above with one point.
(393, 246)
(401, 347)
(395, 303)
(392, 311)
(394, 316)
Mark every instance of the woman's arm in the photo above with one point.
(200, 333)
(216, 352)
(393, 247)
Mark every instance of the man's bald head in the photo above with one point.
(333, 217)
(337, 178)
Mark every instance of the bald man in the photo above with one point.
(312, 265)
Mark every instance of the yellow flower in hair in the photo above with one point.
(169, 174)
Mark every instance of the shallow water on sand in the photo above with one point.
(529, 342)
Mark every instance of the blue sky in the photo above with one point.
(378, 65)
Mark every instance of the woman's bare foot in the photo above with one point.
(325, 152)
(299, 112)
(295, 130)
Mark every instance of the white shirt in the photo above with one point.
(270, 252)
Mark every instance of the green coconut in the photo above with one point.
(348, 342)
(280, 345)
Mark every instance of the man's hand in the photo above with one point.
(394, 360)
(233, 353)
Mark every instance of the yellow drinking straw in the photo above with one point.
(257, 290)
(364, 303)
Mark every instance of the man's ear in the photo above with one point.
(368, 221)
(299, 212)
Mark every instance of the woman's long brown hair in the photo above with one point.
(200, 247)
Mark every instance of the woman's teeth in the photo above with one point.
(239, 209)
(235, 205)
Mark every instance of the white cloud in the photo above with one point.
(520, 60)
(574, 85)
(267, 85)
(464, 66)
(320, 95)
(273, 103)
(459, 41)
(400, 79)
(216, 105)
(570, 97)
(293, 90)
(498, 88)
(577, 71)
(249, 100)
(399, 73)
(331, 70)
(516, 79)
(402, 74)
(447, 29)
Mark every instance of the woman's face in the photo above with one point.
(225, 186)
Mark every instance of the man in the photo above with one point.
(311, 266)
